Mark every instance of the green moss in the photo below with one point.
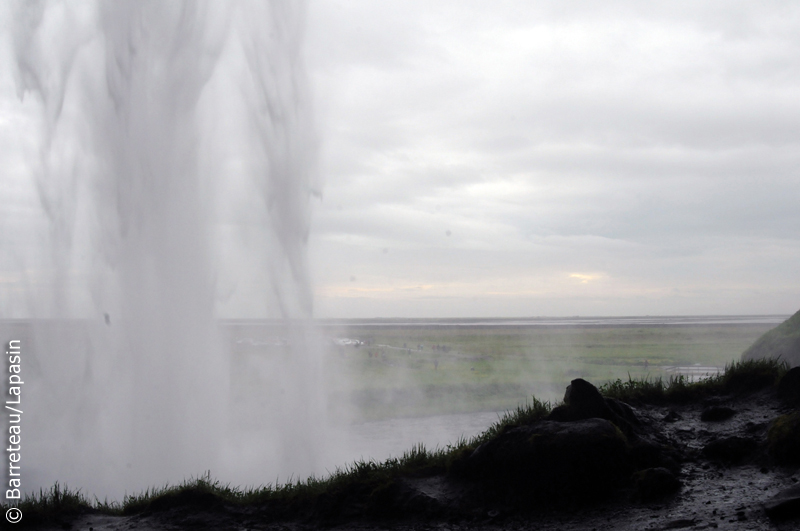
(619, 434)
(783, 439)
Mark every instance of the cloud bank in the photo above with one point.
(557, 159)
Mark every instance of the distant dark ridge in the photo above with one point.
(780, 343)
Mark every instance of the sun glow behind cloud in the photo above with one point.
(584, 278)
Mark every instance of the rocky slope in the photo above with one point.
(782, 342)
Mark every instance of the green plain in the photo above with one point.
(424, 370)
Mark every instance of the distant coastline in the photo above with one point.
(577, 322)
(489, 322)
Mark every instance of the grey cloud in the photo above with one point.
(654, 144)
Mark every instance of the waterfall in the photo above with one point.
(177, 157)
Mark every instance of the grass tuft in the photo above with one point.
(55, 504)
(738, 377)
(523, 414)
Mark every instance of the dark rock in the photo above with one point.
(654, 483)
(553, 460)
(583, 401)
(647, 454)
(789, 386)
(672, 416)
(716, 414)
(622, 410)
(784, 505)
(562, 414)
(732, 449)
(784, 439)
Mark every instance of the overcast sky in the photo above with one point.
(541, 158)
(556, 158)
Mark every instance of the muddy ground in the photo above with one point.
(715, 494)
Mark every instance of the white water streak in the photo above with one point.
(177, 158)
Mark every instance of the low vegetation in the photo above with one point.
(738, 377)
(372, 480)
(418, 370)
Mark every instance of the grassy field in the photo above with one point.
(417, 370)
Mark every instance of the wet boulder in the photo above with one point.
(789, 386)
(784, 505)
(644, 453)
(548, 460)
(783, 438)
(622, 411)
(582, 400)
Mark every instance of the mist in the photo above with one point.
(173, 159)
